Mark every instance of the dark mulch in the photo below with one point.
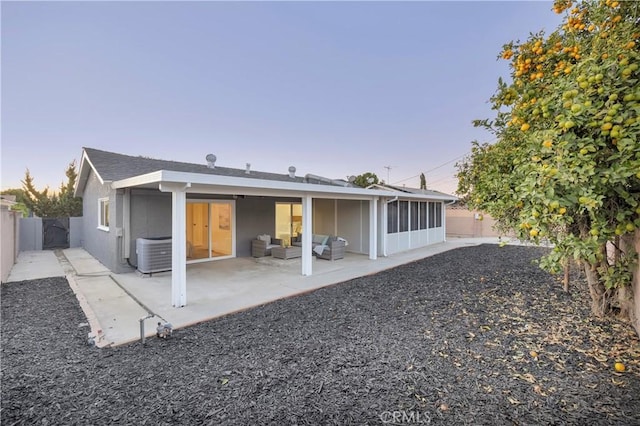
(445, 340)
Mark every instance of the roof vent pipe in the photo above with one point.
(211, 161)
(248, 170)
(292, 172)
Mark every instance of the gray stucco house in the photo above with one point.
(213, 213)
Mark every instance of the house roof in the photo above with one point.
(123, 171)
(111, 167)
(428, 192)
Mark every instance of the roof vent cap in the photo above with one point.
(248, 169)
(211, 161)
(292, 172)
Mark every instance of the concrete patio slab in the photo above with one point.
(83, 263)
(115, 303)
(33, 265)
(117, 313)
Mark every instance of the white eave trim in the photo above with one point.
(237, 185)
(83, 174)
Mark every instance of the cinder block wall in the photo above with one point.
(469, 224)
(9, 230)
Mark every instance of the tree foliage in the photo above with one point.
(46, 204)
(566, 164)
(366, 179)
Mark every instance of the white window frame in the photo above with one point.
(101, 216)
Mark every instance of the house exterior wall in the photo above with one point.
(254, 216)
(30, 233)
(10, 231)
(348, 219)
(150, 217)
(324, 220)
(99, 243)
(354, 224)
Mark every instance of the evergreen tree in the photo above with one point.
(44, 204)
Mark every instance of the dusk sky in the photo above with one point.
(333, 88)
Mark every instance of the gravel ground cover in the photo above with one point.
(477, 335)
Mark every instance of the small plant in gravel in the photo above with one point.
(566, 164)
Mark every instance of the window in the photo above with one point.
(404, 216)
(435, 215)
(288, 221)
(392, 217)
(414, 215)
(423, 215)
(103, 212)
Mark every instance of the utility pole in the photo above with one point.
(388, 169)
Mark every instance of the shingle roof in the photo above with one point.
(112, 167)
(415, 190)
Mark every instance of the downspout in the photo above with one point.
(444, 219)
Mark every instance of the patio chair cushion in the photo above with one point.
(320, 239)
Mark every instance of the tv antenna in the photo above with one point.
(388, 169)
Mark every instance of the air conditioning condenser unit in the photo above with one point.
(154, 254)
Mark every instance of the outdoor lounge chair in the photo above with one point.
(325, 246)
(261, 246)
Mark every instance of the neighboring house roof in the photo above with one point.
(7, 200)
(128, 171)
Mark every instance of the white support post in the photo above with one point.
(307, 235)
(178, 248)
(444, 222)
(335, 217)
(373, 228)
(385, 225)
(126, 223)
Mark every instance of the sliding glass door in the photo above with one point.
(288, 221)
(210, 230)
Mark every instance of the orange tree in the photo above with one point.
(565, 166)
